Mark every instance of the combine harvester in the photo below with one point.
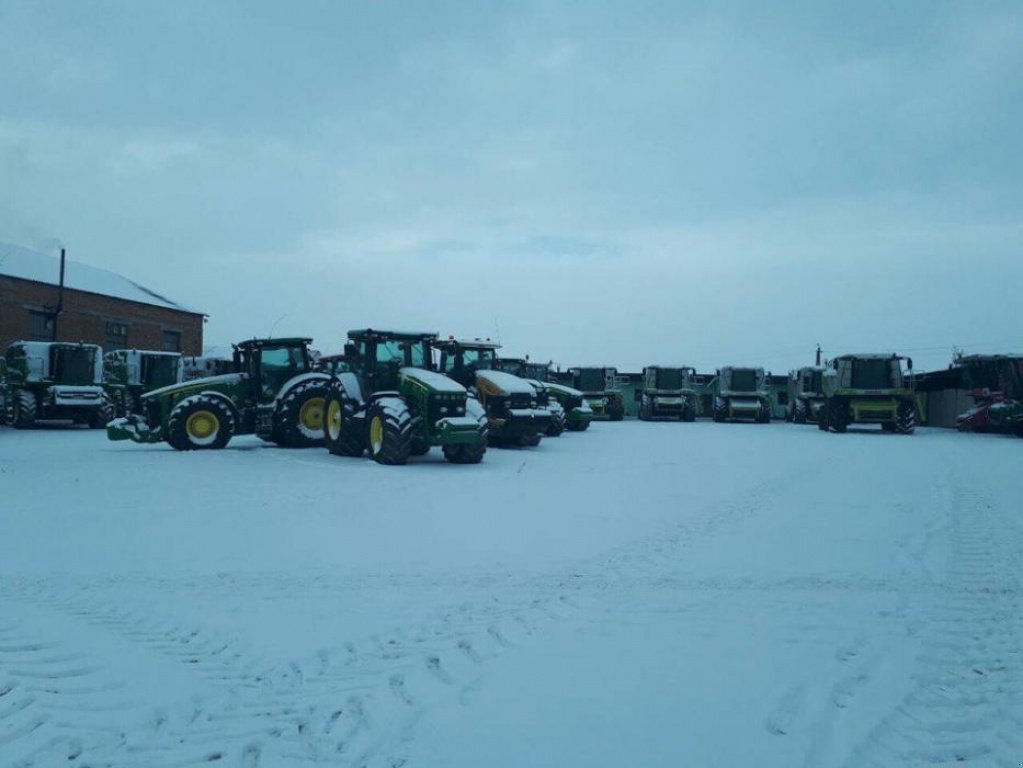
(130, 373)
(869, 389)
(392, 402)
(741, 394)
(668, 394)
(601, 391)
(806, 394)
(996, 386)
(273, 393)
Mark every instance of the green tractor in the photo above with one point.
(668, 393)
(600, 391)
(272, 393)
(392, 403)
(517, 412)
(995, 383)
(569, 409)
(130, 373)
(869, 389)
(806, 395)
(741, 394)
(55, 381)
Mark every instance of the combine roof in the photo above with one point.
(26, 264)
(373, 334)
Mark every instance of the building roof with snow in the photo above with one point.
(26, 264)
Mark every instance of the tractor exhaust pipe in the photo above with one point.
(818, 363)
(60, 293)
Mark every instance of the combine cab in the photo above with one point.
(741, 394)
(996, 386)
(600, 391)
(273, 393)
(668, 394)
(55, 381)
(130, 373)
(515, 413)
(869, 389)
(569, 409)
(806, 395)
(391, 402)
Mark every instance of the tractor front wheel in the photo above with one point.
(720, 410)
(24, 410)
(343, 433)
(200, 422)
(389, 431)
(905, 421)
(300, 415)
(102, 415)
(689, 410)
(838, 416)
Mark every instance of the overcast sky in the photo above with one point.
(589, 182)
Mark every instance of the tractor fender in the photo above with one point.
(300, 379)
(384, 393)
(351, 385)
(214, 394)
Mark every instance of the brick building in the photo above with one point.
(100, 307)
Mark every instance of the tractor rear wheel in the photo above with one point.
(905, 421)
(389, 431)
(24, 406)
(298, 422)
(200, 422)
(102, 415)
(838, 416)
(343, 432)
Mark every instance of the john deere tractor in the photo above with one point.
(600, 391)
(392, 403)
(274, 393)
(130, 373)
(995, 383)
(569, 409)
(741, 394)
(806, 394)
(55, 381)
(517, 412)
(869, 389)
(668, 393)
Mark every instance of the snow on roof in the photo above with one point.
(507, 382)
(26, 264)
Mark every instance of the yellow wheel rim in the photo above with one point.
(376, 434)
(202, 424)
(334, 418)
(310, 415)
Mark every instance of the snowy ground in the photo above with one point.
(638, 595)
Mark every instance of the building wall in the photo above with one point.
(91, 318)
(941, 407)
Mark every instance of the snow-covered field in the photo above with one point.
(638, 595)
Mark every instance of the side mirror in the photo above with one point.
(351, 351)
(909, 363)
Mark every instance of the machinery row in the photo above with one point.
(396, 394)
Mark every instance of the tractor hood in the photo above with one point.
(195, 386)
(435, 382)
(498, 383)
(562, 389)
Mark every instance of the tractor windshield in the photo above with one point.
(872, 374)
(744, 380)
(279, 364)
(669, 378)
(405, 352)
(73, 365)
(591, 380)
(812, 384)
(159, 371)
(479, 359)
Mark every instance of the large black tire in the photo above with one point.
(298, 422)
(645, 410)
(823, 420)
(799, 412)
(905, 421)
(838, 416)
(344, 429)
(530, 441)
(102, 415)
(579, 427)
(689, 410)
(720, 410)
(470, 454)
(389, 431)
(557, 425)
(419, 447)
(615, 409)
(200, 422)
(24, 410)
(764, 416)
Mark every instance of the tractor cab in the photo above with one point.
(872, 373)
(378, 356)
(869, 389)
(462, 359)
(271, 363)
(600, 390)
(666, 379)
(594, 380)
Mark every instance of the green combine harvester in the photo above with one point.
(741, 395)
(130, 373)
(392, 402)
(273, 393)
(995, 383)
(869, 389)
(569, 408)
(55, 381)
(517, 413)
(600, 391)
(806, 395)
(668, 394)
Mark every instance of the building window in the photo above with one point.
(116, 337)
(172, 341)
(40, 326)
